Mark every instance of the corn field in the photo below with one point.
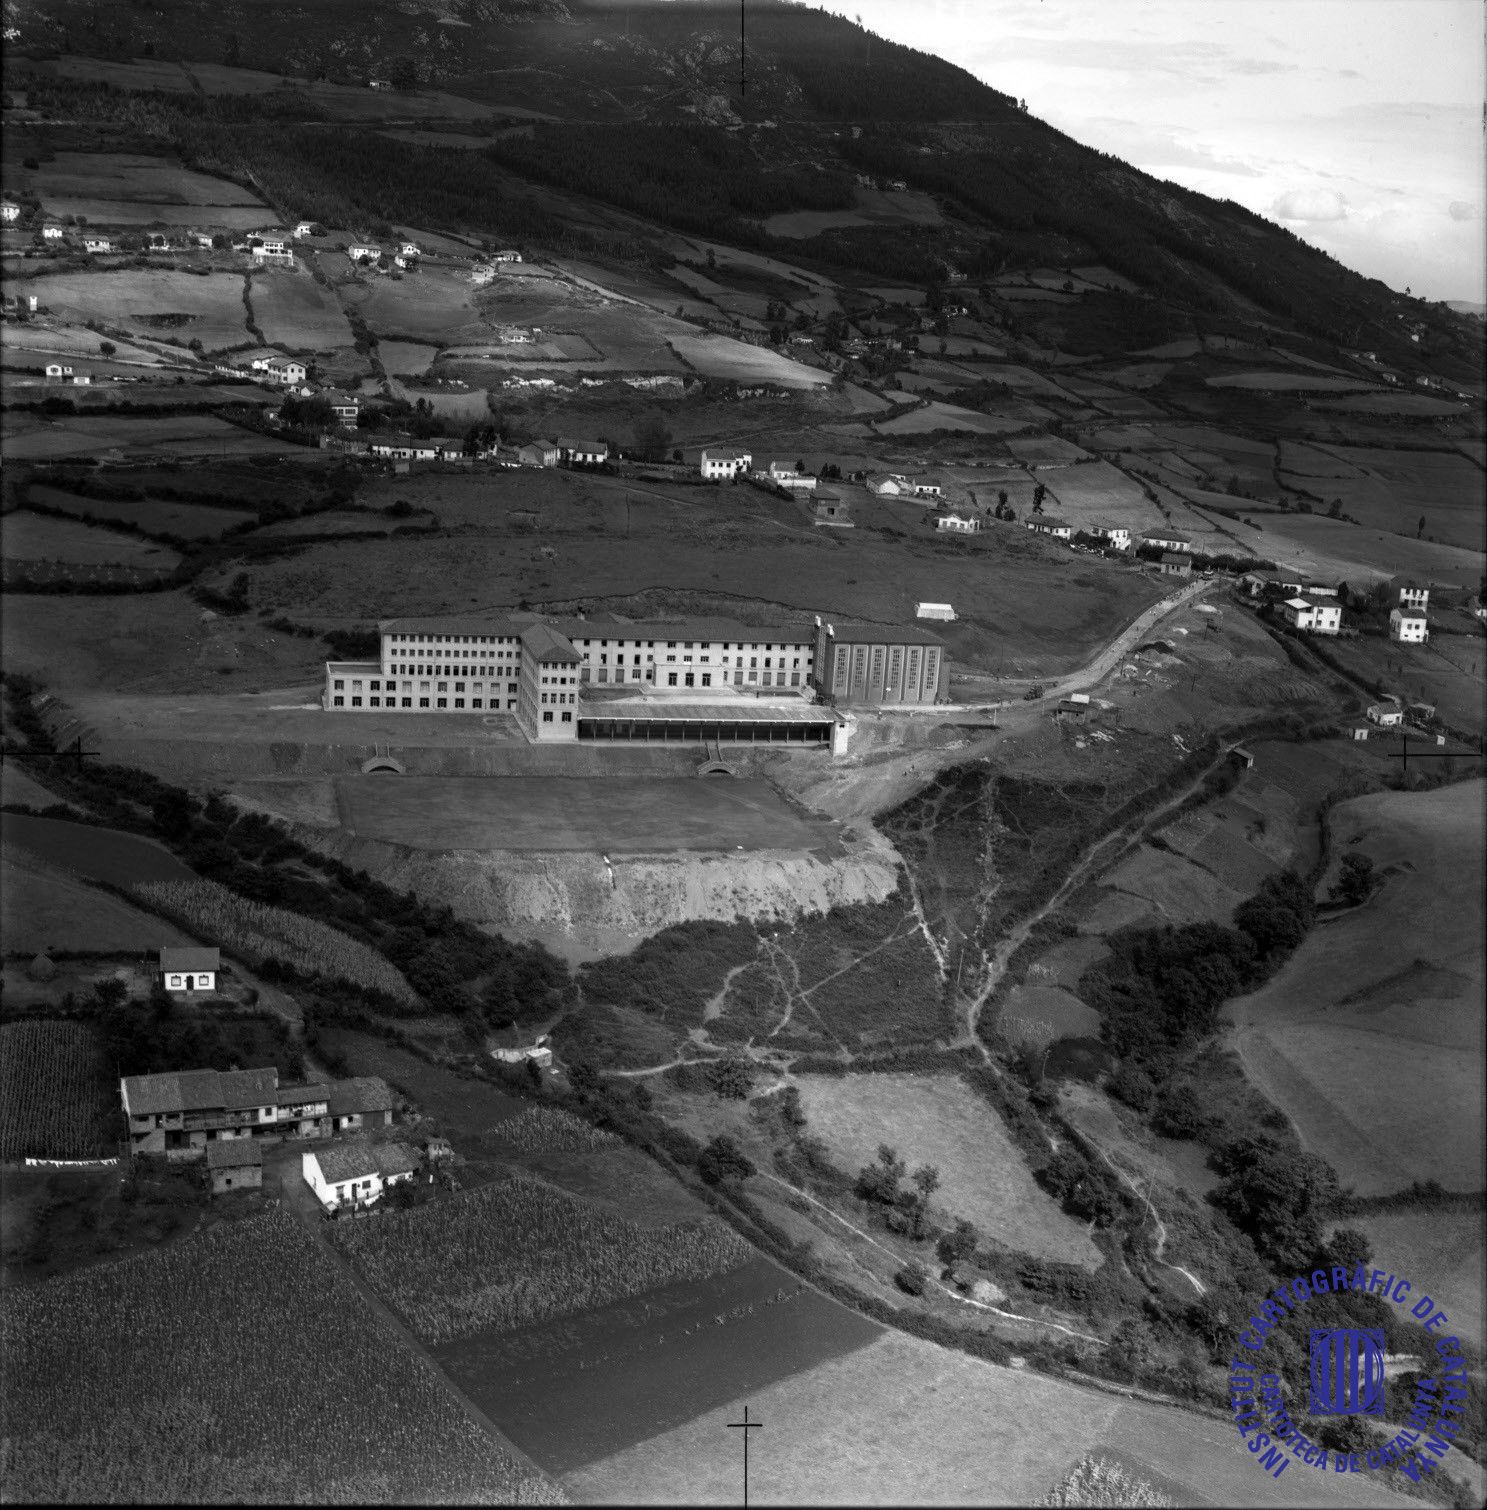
(1097, 1482)
(550, 1129)
(237, 1365)
(55, 1101)
(517, 1252)
(257, 932)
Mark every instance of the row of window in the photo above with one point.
(423, 702)
(559, 697)
(376, 686)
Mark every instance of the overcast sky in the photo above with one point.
(1356, 123)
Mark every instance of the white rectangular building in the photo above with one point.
(349, 1175)
(1408, 626)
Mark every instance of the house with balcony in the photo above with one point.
(1046, 524)
(1117, 536)
(351, 1175)
(181, 1113)
(1170, 540)
(718, 465)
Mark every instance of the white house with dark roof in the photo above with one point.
(720, 465)
(1169, 540)
(190, 972)
(9, 211)
(1408, 626)
(539, 453)
(1114, 535)
(583, 453)
(1046, 524)
(955, 524)
(348, 1175)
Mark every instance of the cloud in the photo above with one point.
(1462, 210)
(1259, 66)
(1311, 204)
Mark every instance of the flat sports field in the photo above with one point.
(609, 815)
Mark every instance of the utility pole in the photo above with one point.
(743, 89)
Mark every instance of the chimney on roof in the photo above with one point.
(818, 621)
(831, 630)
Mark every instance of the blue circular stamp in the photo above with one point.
(1346, 1377)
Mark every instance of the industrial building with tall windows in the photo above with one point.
(742, 678)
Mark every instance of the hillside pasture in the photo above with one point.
(136, 178)
(1442, 486)
(906, 1422)
(1046, 451)
(1378, 1013)
(736, 361)
(97, 854)
(1176, 890)
(40, 343)
(1290, 382)
(25, 536)
(1010, 590)
(44, 907)
(1391, 401)
(154, 301)
(1441, 1251)
(1296, 539)
(939, 1120)
(35, 438)
(406, 358)
(939, 416)
(433, 304)
(874, 207)
(192, 521)
(294, 312)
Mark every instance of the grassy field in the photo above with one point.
(406, 358)
(133, 176)
(433, 304)
(214, 1414)
(35, 537)
(193, 521)
(1012, 594)
(35, 438)
(1441, 1251)
(1379, 1012)
(1299, 539)
(1442, 486)
(906, 1422)
(295, 312)
(1446, 672)
(153, 302)
(42, 907)
(618, 816)
(736, 361)
(97, 854)
(1290, 382)
(938, 1120)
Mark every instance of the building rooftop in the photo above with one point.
(234, 1153)
(742, 710)
(1047, 521)
(172, 960)
(881, 634)
(568, 443)
(1168, 535)
(547, 644)
(355, 1161)
(362, 1093)
(200, 1090)
(1176, 557)
(299, 1095)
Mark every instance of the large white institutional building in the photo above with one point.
(689, 678)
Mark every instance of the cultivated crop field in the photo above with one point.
(260, 933)
(1378, 1013)
(212, 1413)
(939, 1120)
(55, 1093)
(100, 854)
(153, 302)
(518, 1252)
(192, 521)
(295, 312)
(25, 536)
(580, 1389)
(550, 1129)
(905, 1422)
